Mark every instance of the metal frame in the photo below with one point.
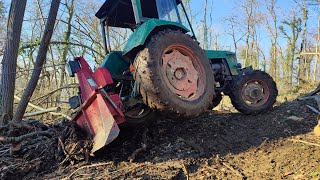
(136, 4)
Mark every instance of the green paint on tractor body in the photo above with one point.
(115, 63)
(230, 57)
(140, 35)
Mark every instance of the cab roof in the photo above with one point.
(120, 12)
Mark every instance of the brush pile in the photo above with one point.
(31, 146)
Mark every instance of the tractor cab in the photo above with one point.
(142, 17)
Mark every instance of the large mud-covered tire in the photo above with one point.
(174, 75)
(253, 92)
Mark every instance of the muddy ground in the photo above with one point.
(217, 145)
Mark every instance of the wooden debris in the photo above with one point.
(234, 170)
(185, 170)
(304, 142)
(313, 109)
(85, 167)
(24, 137)
(295, 118)
(53, 109)
(42, 109)
(132, 157)
(194, 145)
(143, 147)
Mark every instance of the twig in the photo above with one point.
(305, 142)
(305, 98)
(88, 166)
(128, 170)
(132, 157)
(60, 143)
(23, 137)
(52, 92)
(4, 152)
(233, 170)
(185, 170)
(313, 109)
(194, 145)
(143, 147)
(20, 125)
(69, 153)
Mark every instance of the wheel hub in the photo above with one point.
(254, 93)
(181, 73)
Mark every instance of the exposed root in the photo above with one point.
(143, 147)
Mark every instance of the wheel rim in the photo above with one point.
(255, 93)
(183, 72)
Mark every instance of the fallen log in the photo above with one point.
(41, 109)
(312, 93)
(315, 97)
(54, 109)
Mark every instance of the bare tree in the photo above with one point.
(9, 61)
(252, 19)
(294, 25)
(205, 28)
(66, 39)
(302, 59)
(273, 31)
(39, 61)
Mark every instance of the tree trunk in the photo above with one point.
(66, 46)
(315, 70)
(39, 61)
(302, 59)
(9, 61)
(205, 28)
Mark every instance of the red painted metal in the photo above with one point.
(102, 77)
(183, 71)
(99, 113)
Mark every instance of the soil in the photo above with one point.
(279, 144)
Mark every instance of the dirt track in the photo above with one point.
(215, 145)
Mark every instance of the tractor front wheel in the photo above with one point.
(215, 101)
(173, 74)
(253, 92)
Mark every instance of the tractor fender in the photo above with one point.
(147, 29)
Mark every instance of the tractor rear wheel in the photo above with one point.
(253, 92)
(173, 74)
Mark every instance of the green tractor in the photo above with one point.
(162, 68)
(172, 72)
